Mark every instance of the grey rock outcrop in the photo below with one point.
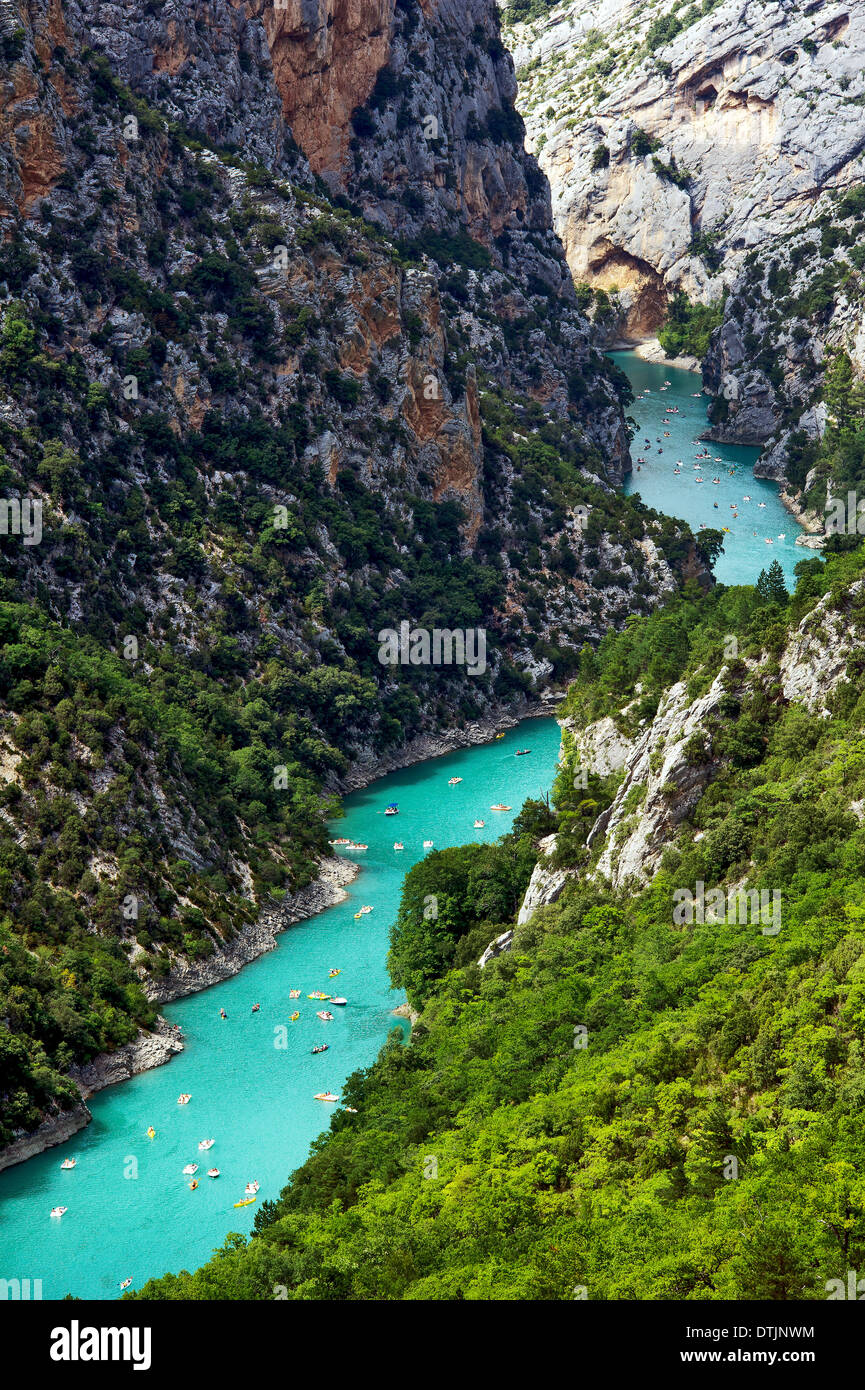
(759, 104)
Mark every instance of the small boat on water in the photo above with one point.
(193, 1184)
(499, 735)
(151, 1132)
(337, 999)
(318, 994)
(294, 1017)
(343, 840)
(324, 1015)
(125, 1283)
(184, 1098)
(251, 1188)
(213, 1172)
(325, 1095)
(190, 1169)
(294, 994)
(452, 781)
(392, 809)
(357, 915)
(428, 844)
(358, 847)
(500, 806)
(245, 1203)
(332, 974)
(320, 1047)
(350, 1110)
(521, 752)
(479, 824)
(255, 1008)
(397, 844)
(69, 1163)
(58, 1211)
(365, 909)
(206, 1144)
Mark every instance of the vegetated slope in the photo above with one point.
(678, 136)
(625, 1105)
(785, 366)
(260, 429)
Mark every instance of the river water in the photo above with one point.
(131, 1213)
(753, 524)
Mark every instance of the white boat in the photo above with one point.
(125, 1283)
(479, 824)
(323, 1015)
(251, 1188)
(365, 909)
(69, 1163)
(428, 844)
(397, 844)
(190, 1169)
(213, 1172)
(452, 781)
(184, 1098)
(58, 1211)
(339, 1001)
(500, 806)
(206, 1144)
(325, 1095)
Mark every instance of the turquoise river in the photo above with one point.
(130, 1211)
(761, 528)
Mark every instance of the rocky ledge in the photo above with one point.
(189, 976)
(55, 1130)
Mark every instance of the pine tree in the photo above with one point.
(771, 586)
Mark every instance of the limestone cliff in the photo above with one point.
(678, 138)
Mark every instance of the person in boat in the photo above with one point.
(223, 1014)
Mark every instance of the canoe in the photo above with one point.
(246, 1201)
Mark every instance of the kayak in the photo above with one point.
(294, 1018)
(125, 1284)
(246, 1201)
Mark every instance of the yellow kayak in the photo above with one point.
(294, 1018)
(245, 1203)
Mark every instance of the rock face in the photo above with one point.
(670, 765)
(189, 976)
(793, 307)
(545, 884)
(753, 109)
(663, 783)
(55, 1130)
(146, 1051)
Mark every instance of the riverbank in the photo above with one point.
(651, 351)
(436, 745)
